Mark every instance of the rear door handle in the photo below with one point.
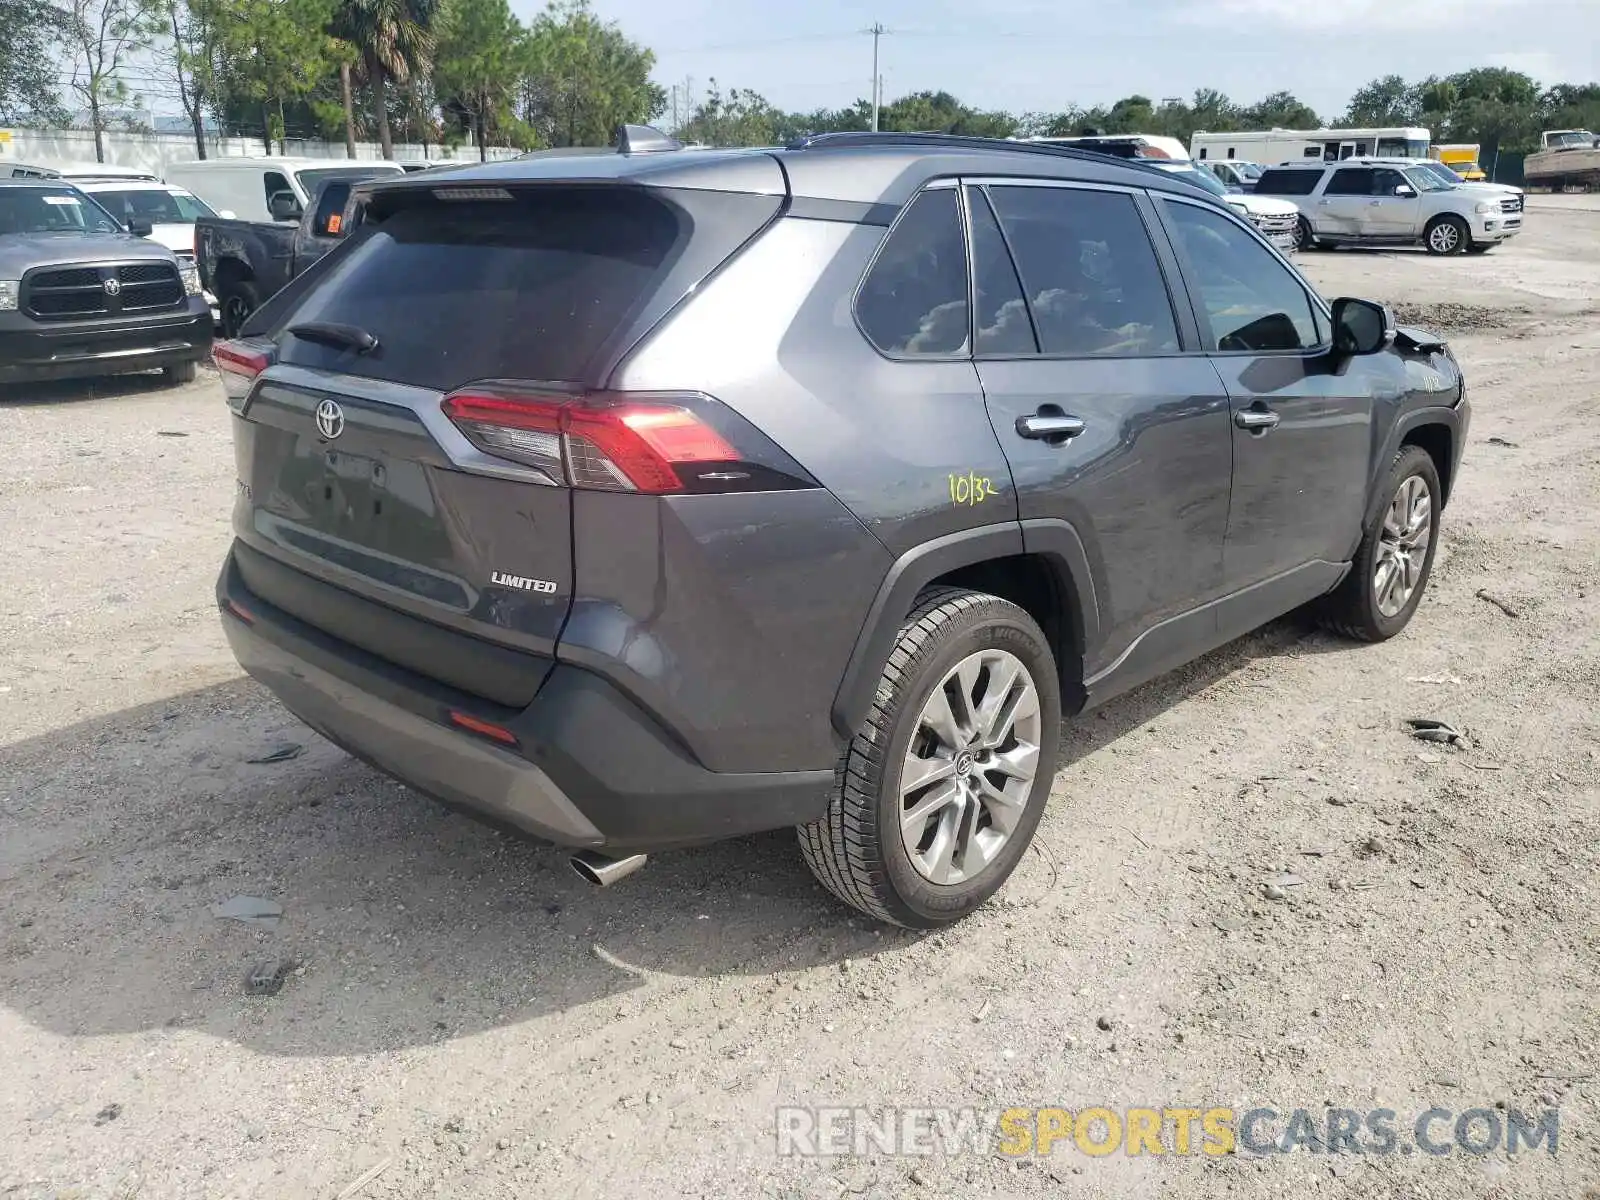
(1256, 420)
(1043, 427)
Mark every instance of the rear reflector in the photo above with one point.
(611, 442)
(474, 725)
(239, 611)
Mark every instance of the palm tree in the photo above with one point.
(393, 39)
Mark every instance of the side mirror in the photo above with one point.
(139, 227)
(1361, 326)
(227, 214)
(284, 207)
(1405, 190)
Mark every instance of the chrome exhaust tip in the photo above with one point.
(602, 871)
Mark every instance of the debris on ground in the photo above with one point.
(1485, 594)
(266, 978)
(251, 910)
(108, 1114)
(1433, 679)
(1500, 441)
(171, 433)
(1229, 924)
(1426, 729)
(282, 752)
(1106, 1024)
(366, 1177)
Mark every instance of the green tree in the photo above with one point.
(1386, 101)
(479, 64)
(32, 30)
(738, 118)
(1280, 110)
(392, 40)
(104, 35)
(585, 77)
(273, 57)
(940, 112)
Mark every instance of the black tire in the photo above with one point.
(855, 849)
(1480, 247)
(1437, 242)
(1304, 238)
(183, 372)
(1352, 608)
(236, 300)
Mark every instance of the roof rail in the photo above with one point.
(951, 141)
(644, 139)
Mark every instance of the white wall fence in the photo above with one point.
(154, 151)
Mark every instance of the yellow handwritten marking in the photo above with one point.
(971, 489)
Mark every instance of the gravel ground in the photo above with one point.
(466, 1018)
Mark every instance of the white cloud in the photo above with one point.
(1351, 17)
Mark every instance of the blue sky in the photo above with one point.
(1034, 55)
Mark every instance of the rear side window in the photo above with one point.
(1090, 274)
(1248, 299)
(1350, 181)
(1288, 183)
(527, 288)
(1004, 326)
(914, 299)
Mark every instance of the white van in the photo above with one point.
(268, 189)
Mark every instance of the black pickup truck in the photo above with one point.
(242, 263)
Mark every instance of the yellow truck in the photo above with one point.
(1462, 158)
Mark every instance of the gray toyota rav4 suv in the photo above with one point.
(644, 499)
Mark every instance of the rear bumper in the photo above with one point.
(31, 351)
(590, 767)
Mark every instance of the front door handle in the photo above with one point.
(1045, 427)
(1256, 420)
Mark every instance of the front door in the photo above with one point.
(1394, 215)
(1109, 426)
(1302, 419)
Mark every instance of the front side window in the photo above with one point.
(1248, 299)
(1385, 180)
(914, 299)
(1425, 181)
(274, 183)
(1090, 274)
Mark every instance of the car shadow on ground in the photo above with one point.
(413, 924)
(64, 391)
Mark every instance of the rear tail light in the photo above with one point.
(610, 441)
(239, 363)
(482, 728)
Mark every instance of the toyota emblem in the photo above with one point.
(330, 419)
(112, 286)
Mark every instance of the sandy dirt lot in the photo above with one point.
(469, 1019)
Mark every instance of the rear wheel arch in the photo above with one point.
(1044, 580)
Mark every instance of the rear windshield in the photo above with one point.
(526, 288)
(311, 177)
(1288, 183)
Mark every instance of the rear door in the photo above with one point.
(1344, 206)
(350, 472)
(1110, 423)
(1302, 419)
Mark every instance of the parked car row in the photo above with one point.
(99, 270)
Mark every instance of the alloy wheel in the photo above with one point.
(1444, 237)
(1403, 545)
(970, 767)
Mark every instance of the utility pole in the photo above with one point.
(877, 31)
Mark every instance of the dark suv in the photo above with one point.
(645, 499)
